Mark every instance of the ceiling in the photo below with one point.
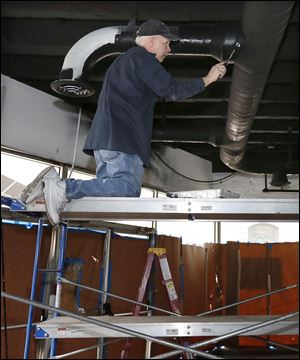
(36, 36)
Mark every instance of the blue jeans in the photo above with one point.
(117, 174)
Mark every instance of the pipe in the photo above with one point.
(263, 26)
(72, 79)
(218, 41)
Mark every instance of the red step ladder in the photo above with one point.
(160, 253)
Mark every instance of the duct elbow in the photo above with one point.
(72, 79)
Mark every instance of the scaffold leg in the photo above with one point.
(62, 247)
(33, 287)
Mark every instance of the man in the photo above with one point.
(120, 135)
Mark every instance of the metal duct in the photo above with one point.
(73, 76)
(217, 41)
(263, 27)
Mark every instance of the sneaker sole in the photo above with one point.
(47, 211)
(25, 194)
(48, 215)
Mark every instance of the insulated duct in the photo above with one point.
(217, 41)
(263, 27)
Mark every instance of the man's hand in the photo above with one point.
(216, 72)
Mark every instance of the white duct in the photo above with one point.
(71, 83)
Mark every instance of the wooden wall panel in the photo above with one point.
(194, 281)
(253, 281)
(232, 277)
(216, 260)
(19, 248)
(284, 272)
(128, 257)
(213, 276)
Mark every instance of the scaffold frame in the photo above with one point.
(103, 210)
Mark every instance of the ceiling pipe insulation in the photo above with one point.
(263, 26)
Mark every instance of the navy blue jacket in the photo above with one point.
(124, 117)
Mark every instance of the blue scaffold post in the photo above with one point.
(33, 288)
(62, 247)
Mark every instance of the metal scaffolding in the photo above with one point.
(95, 212)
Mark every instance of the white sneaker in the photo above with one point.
(55, 198)
(35, 189)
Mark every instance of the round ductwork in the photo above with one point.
(72, 88)
(218, 41)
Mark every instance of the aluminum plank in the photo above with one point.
(164, 326)
(120, 208)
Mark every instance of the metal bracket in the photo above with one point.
(40, 333)
(14, 204)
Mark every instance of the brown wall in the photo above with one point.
(204, 277)
(18, 257)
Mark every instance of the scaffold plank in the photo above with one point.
(120, 208)
(164, 326)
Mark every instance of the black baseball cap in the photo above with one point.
(156, 27)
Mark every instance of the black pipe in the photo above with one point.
(217, 41)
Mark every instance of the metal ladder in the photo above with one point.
(168, 283)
